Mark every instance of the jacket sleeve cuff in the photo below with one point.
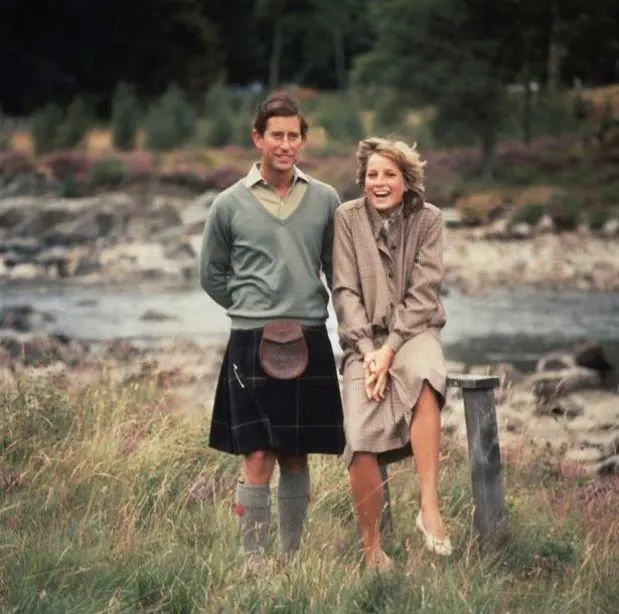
(365, 346)
(394, 341)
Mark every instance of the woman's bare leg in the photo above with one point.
(365, 482)
(426, 441)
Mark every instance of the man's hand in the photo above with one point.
(376, 367)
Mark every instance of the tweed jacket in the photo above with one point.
(368, 314)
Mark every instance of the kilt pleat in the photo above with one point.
(253, 411)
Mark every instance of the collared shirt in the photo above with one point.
(268, 197)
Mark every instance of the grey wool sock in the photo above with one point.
(253, 510)
(292, 501)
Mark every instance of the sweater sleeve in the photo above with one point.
(326, 256)
(421, 299)
(354, 328)
(215, 256)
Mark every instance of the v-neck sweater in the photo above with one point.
(259, 267)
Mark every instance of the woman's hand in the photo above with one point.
(376, 367)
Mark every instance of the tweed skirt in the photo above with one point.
(383, 427)
(253, 411)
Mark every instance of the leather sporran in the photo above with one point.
(283, 352)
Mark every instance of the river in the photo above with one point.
(504, 326)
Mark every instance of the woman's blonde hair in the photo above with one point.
(407, 159)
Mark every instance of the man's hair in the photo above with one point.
(279, 104)
(407, 159)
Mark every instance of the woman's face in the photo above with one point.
(384, 183)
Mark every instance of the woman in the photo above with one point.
(388, 268)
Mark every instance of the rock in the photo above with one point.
(156, 316)
(86, 228)
(452, 217)
(549, 384)
(557, 360)
(545, 225)
(521, 230)
(498, 230)
(179, 251)
(23, 318)
(23, 249)
(36, 221)
(589, 354)
(26, 271)
(195, 241)
(85, 264)
(611, 228)
(194, 212)
(55, 257)
(205, 200)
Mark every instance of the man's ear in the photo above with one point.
(257, 138)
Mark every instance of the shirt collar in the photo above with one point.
(254, 177)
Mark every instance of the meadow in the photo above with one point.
(110, 501)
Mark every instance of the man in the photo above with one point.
(265, 243)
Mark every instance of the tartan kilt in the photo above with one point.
(253, 411)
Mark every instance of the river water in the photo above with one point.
(506, 325)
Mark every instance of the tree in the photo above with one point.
(274, 11)
(456, 54)
(74, 128)
(171, 120)
(341, 21)
(125, 117)
(44, 128)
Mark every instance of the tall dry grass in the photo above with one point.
(110, 502)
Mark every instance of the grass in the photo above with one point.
(112, 502)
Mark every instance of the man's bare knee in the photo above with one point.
(258, 467)
(361, 459)
(292, 464)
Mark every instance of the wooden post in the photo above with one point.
(490, 517)
(482, 433)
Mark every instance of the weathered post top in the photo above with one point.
(472, 382)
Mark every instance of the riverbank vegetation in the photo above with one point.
(110, 501)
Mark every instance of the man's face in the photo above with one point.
(281, 143)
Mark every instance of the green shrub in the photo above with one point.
(552, 116)
(221, 129)
(107, 173)
(75, 125)
(243, 130)
(389, 114)
(529, 213)
(125, 117)
(342, 121)
(609, 194)
(566, 214)
(5, 132)
(44, 129)
(171, 121)
(72, 188)
(218, 99)
(229, 117)
(596, 218)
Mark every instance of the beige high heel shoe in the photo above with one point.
(442, 547)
